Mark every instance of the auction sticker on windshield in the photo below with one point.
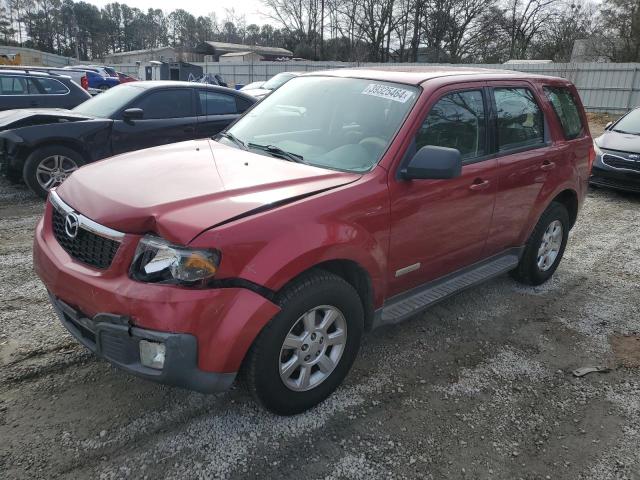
(390, 93)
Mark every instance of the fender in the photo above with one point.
(347, 223)
(90, 137)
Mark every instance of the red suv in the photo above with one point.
(342, 201)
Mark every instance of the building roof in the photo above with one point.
(236, 54)
(138, 52)
(223, 48)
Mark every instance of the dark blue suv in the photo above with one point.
(35, 89)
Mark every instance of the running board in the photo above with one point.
(414, 301)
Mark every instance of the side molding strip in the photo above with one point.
(405, 270)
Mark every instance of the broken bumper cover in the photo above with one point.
(112, 337)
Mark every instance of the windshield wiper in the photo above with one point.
(278, 152)
(234, 139)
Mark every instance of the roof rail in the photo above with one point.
(28, 69)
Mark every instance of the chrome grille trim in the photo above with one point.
(84, 222)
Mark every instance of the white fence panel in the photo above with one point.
(603, 87)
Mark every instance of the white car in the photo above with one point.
(270, 85)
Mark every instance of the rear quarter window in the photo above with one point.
(566, 108)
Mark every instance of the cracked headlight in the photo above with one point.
(158, 261)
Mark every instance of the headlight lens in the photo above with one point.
(597, 148)
(158, 261)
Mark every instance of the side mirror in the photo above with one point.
(431, 162)
(608, 125)
(133, 114)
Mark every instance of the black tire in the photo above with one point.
(528, 271)
(36, 157)
(261, 366)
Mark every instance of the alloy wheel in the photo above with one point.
(313, 347)
(53, 170)
(550, 245)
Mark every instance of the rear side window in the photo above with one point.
(567, 110)
(50, 86)
(175, 103)
(519, 118)
(457, 121)
(11, 85)
(214, 103)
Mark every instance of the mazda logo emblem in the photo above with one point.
(71, 225)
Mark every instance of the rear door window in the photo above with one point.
(566, 109)
(214, 103)
(520, 122)
(172, 103)
(457, 121)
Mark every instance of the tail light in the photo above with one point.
(84, 82)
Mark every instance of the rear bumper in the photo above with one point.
(113, 338)
(617, 179)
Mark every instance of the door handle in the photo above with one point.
(479, 184)
(547, 165)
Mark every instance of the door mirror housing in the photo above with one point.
(431, 162)
(133, 114)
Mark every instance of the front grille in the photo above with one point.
(619, 162)
(87, 247)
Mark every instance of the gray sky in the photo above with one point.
(250, 8)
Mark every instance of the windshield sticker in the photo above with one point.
(390, 93)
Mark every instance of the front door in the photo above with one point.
(168, 117)
(440, 226)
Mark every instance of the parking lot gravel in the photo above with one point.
(480, 386)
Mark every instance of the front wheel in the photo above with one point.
(307, 349)
(48, 167)
(545, 247)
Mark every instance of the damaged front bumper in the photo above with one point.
(113, 338)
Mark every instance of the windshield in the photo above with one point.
(277, 81)
(338, 123)
(105, 105)
(629, 123)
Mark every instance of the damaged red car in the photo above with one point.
(343, 201)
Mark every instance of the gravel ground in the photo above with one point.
(480, 386)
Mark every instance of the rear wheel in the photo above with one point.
(307, 349)
(545, 247)
(48, 167)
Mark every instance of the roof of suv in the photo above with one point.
(418, 75)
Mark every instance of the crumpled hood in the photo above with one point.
(37, 116)
(623, 142)
(180, 190)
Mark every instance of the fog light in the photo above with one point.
(152, 354)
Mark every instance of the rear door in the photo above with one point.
(169, 116)
(439, 226)
(526, 156)
(217, 110)
(15, 92)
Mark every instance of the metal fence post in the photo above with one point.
(632, 89)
